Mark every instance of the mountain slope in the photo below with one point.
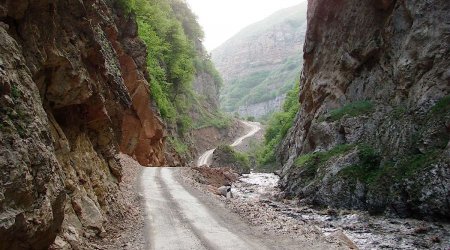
(260, 64)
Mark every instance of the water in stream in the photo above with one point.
(367, 232)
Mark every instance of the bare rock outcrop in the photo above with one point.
(373, 130)
(72, 92)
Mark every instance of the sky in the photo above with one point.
(221, 19)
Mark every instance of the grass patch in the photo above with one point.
(218, 120)
(411, 164)
(368, 168)
(239, 160)
(398, 112)
(351, 110)
(242, 158)
(15, 93)
(312, 161)
(125, 5)
(371, 172)
(209, 118)
(442, 106)
(239, 157)
(322, 157)
(178, 145)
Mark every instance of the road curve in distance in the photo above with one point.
(254, 127)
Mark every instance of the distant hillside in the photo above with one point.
(260, 63)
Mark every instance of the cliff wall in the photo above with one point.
(72, 92)
(374, 124)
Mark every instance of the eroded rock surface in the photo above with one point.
(72, 93)
(374, 109)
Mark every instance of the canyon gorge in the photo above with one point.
(90, 86)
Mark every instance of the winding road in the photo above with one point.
(254, 127)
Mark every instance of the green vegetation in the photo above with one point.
(171, 33)
(259, 80)
(351, 110)
(313, 160)
(242, 158)
(368, 166)
(171, 54)
(175, 55)
(442, 106)
(372, 172)
(278, 126)
(179, 146)
(370, 169)
(261, 86)
(15, 93)
(206, 118)
(398, 112)
(126, 5)
(309, 163)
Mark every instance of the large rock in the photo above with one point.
(226, 157)
(375, 78)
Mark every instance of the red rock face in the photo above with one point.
(142, 130)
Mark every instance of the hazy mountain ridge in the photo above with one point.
(261, 62)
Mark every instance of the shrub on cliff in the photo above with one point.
(278, 126)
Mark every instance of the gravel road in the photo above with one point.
(179, 220)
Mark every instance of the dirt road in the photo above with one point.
(179, 220)
(253, 128)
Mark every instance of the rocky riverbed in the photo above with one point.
(257, 198)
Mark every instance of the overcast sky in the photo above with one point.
(221, 19)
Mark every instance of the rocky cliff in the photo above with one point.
(263, 108)
(72, 92)
(374, 124)
(261, 62)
